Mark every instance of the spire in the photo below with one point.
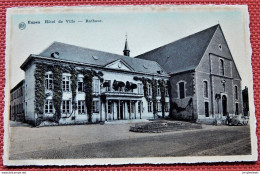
(126, 50)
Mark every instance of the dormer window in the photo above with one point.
(55, 55)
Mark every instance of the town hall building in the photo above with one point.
(194, 79)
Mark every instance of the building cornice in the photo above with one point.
(33, 57)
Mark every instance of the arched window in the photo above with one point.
(221, 67)
(236, 92)
(181, 90)
(205, 89)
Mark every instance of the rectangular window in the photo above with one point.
(166, 107)
(48, 81)
(205, 89)
(181, 90)
(166, 90)
(48, 108)
(149, 89)
(95, 86)
(80, 85)
(140, 88)
(158, 90)
(149, 106)
(95, 106)
(236, 109)
(159, 107)
(65, 83)
(221, 67)
(107, 85)
(66, 106)
(207, 109)
(81, 107)
(236, 92)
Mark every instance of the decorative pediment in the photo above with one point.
(119, 64)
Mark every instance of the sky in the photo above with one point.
(146, 29)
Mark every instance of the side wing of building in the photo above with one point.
(219, 78)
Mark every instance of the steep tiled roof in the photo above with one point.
(94, 57)
(184, 54)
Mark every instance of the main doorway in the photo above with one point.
(224, 105)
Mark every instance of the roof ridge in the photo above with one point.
(127, 57)
(215, 26)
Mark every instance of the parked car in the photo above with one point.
(238, 120)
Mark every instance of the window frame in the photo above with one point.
(221, 67)
(159, 106)
(236, 92)
(95, 86)
(67, 107)
(66, 83)
(205, 89)
(140, 89)
(81, 107)
(179, 90)
(95, 108)
(80, 81)
(48, 82)
(50, 106)
(149, 90)
(149, 106)
(206, 103)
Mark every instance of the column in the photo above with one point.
(113, 109)
(106, 102)
(125, 110)
(135, 108)
(130, 109)
(118, 114)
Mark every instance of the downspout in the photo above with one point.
(211, 87)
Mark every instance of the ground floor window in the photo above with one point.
(236, 112)
(149, 106)
(81, 107)
(66, 106)
(48, 108)
(207, 109)
(159, 107)
(95, 106)
(166, 107)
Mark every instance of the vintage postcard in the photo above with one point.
(100, 85)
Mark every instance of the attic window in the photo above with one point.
(95, 57)
(55, 55)
(220, 46)
(160, 71)
(145, 66)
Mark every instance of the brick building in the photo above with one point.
(205, 84)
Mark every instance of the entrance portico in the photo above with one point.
(120, 106)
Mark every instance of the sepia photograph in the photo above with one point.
(100, 85)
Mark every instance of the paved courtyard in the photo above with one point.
(115, 140)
